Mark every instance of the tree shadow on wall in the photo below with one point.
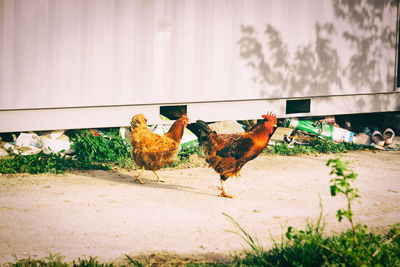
(369, 40)
(315, 67)
(364, 69)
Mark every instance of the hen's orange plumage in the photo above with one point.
(151, 151)
(227, 153)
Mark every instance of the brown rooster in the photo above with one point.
(227, 153)
(151, 151)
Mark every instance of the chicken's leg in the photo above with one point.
(140, 175)
(224, 194)
(159, 179)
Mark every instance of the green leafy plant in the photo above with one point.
(316, 145)
(106, 148)
(133, 262)
(328, 146)
(91, 262)
(43, 163)
(185, 152)
(38, 163)
(297, 247)
(110, 150)
(310, 247)
(55, 260)
(286, 150)
(253, 243)
(341, 184)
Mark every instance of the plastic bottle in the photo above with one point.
(343, 135)
(325, 130)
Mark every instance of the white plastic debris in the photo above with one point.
(56, 142)
(226, 127)
(188, 138)
(158, 129)
(7, 146)
(56, 134)
(25, 144)
(23, 150)
(27, 140)
(124, 132)
(278, 137)
(3, 153)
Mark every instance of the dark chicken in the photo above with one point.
(227, 153)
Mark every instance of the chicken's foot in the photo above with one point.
(224, 194)
(140, 175)
(159, 179)
(238, 175)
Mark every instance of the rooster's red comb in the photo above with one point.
(184, 116)
(269, 115)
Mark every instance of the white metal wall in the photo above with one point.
(91, 53)
(63, 53)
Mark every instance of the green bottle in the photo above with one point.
(321, 129)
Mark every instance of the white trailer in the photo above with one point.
(67, 64)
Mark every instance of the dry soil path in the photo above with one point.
(107, 214)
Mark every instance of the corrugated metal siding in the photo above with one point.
(71, 53)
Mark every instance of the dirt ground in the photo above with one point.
(107, 214)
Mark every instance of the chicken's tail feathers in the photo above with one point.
(200, 129)
(203, 126)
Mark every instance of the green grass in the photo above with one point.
(45, 163)
(92, 152)
(308, 247)
(317, 146)
(55, 260)
(39, 163)
(110, 150)
(311, 247)
(185, 153)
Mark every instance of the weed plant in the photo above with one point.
(286, 150)
(341, 184)
(328, 146)
(39, 163)
(110, 150)
(107, 148)
(185, 153)
(92, 152)
(316, 146)
(310, 247)
(44, 163)
(55, 260)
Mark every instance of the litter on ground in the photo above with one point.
(292, 131)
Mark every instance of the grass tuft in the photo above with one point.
(110, 150)
(317, 146)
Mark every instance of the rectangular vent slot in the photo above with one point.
(173, 112)
(298, 106)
